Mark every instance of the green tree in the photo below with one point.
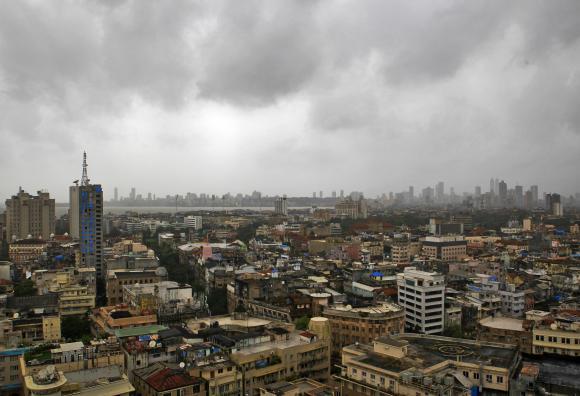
(217, 302)
(25, 288)
(302, 323)
(76, 328)
(454, 331)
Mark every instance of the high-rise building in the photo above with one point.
(491, 186)
(195, 222)
(281, 206)
(554, 204)
(440, 191)
(86, 220)
(477, 191)
(502, 192)
(353, 209)
(534, 190)
(321, 194)
(422, 295)
(133, 194)
(29, 215)
(334, 194)
(519, 196)
(116, 194)
(411, 193)
(341, 193)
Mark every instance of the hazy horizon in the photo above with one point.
(289, 97)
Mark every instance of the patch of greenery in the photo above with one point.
(25, 288)
(302, 323)
(76, 328)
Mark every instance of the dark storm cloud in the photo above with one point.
(247, 86)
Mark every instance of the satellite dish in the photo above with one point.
(152, 344)
(181, 365)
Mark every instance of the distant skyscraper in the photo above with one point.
(477, 191)
(281, 206)
(86, 220)
(411, 193)
(496, 186)
(29, 215)
(321, 194)
(334, 194)
(341, 193)
(491, 186)
(554, 204)
(133, 194)
(502, 192)
(116, 196)
(519, 196)
(314, 194)
(440, 191)
(534, 191)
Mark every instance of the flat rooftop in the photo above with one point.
(435, 349)
(427, 351)
(374, 309)
(503, 323)
(292, 341)
(227, 320)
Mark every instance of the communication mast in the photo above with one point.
(85, 177)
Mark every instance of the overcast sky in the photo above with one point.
(289, 96)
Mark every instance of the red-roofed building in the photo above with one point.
(160, 379)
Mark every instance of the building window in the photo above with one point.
(466, 374)
(499, 379)
(476, 375)
(489, 378)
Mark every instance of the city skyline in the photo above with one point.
(364, 96)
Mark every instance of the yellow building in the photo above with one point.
(349, 325)
(289, 356)
(414, 364)
(223, 378)
(75, 300)
(560, 337)
(51, 328)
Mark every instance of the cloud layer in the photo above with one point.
(290, 96)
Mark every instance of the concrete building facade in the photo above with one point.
(422, 295)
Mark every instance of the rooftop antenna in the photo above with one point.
(85, 178)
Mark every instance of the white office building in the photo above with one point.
(194, 222)
(422, 295)
(281, 206)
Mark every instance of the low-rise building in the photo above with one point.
(413, 364)
(25, 250)
(445, 248)
(506, 330)
(117, 279)
(161, 379)
(109, 380)
(10, 381)
(349, 325)
(559, 335)
(107, 320)
(290, 355)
